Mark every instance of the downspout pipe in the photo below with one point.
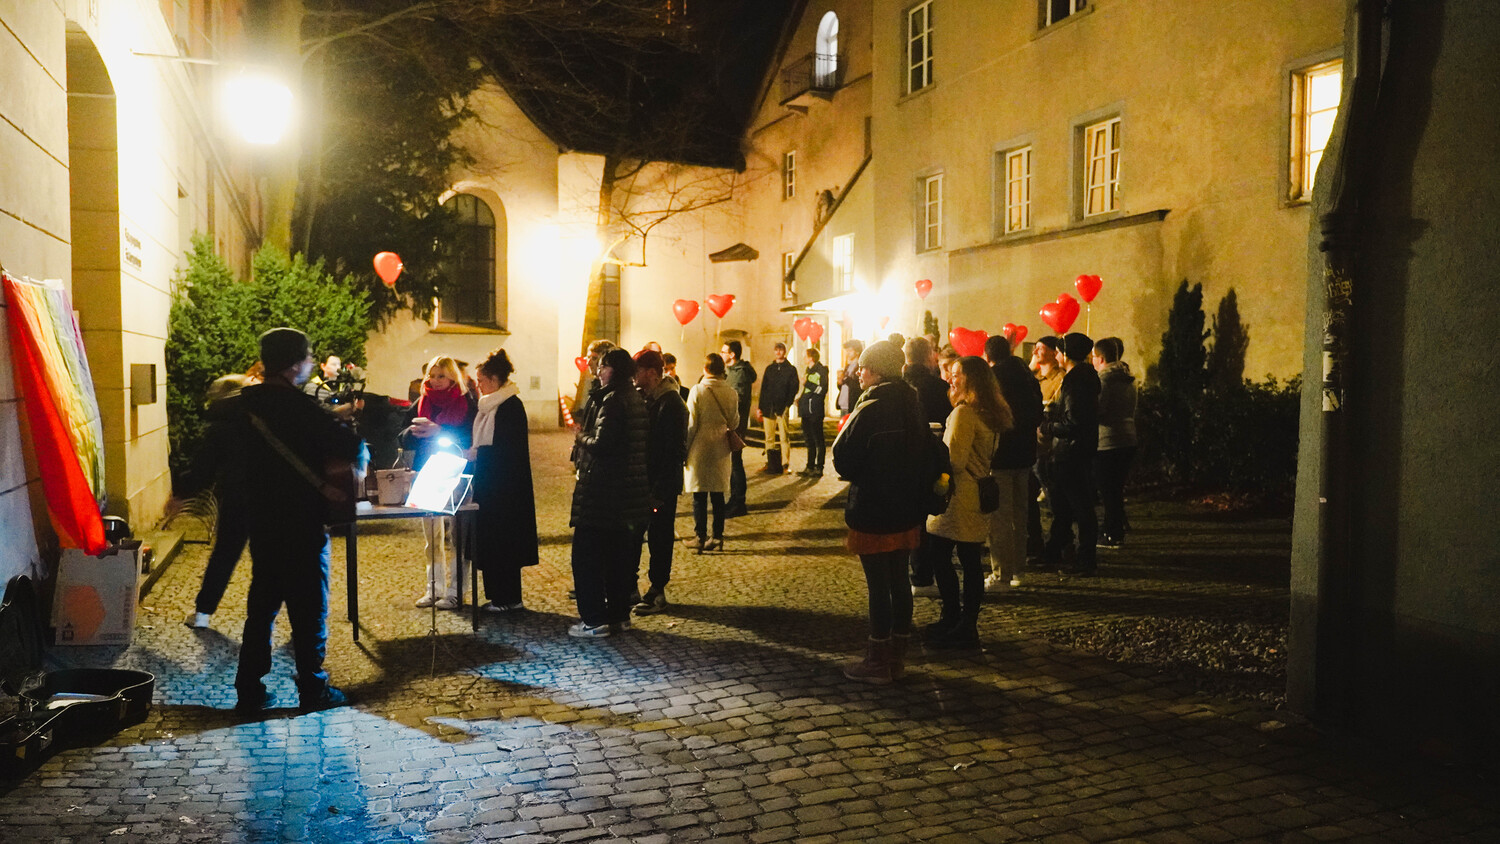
(1337, 609)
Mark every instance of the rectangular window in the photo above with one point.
(1057, 10)
(919, 47)
(788, 283)
(1017, 190)
(843, 262)
(1101, 161)
(789, 175)
(932, 212)
(1315, 102)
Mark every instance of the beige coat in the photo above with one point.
(971, 444)
(713, 409)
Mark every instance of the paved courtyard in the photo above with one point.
(726, 719)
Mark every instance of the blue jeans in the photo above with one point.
(286, 568)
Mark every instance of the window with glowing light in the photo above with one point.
(1315, 103)
(788, 282)
(1016, 165)
(468, 296)
(843, 262)
(931, 236)
(789, 174)
(1101, 163)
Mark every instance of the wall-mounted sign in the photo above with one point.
(132, 249)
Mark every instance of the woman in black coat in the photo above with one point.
(505, 527)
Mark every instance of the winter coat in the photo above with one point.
(814, 399)
(505, 527)
(666, 447)
(971, 446)
(424, 447)
(778, 389)
(1017, 446)
(712, 412)
(1072, 421)
(613, 490)
(932, 392)
(584, 416)
(741, 375)
(849, 390)
(1116, 406)
(879, 453)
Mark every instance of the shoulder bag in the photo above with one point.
(732, 437)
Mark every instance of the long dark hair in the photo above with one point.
(982, 392)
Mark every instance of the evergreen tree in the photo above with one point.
(1226, 362)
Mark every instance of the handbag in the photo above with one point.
(339, 483)
(989, 494)
(732, 437)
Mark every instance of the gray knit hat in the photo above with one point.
(883, 358)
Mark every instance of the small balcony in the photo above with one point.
(813, 77)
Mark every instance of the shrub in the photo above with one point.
(216, 321)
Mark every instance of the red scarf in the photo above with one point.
(445, 407)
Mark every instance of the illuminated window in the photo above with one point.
(1101, 161)
(919, 47)
(932, 212)
(1315, 103)
(789, 175)
(1056, 10)
(826, 59)
(788, 282)
(843, 262)
(1017, 169)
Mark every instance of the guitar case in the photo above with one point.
(76, 705)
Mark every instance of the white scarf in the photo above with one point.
(484, 423)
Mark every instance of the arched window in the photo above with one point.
(826, 62)
(469, 263)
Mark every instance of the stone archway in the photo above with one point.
(97, 248)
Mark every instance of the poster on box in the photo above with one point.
(95, 599)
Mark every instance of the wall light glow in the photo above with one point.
(258, 108)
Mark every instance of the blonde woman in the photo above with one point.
(979, 416)
(444, 411)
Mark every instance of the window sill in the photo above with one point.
(464, 328)
(905, 98)
(1091, 226)
(1076, 16)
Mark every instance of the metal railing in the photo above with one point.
(813, 73)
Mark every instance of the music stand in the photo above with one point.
(440, 488)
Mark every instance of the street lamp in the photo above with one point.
(258, 107)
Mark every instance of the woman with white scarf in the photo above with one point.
(505, 539)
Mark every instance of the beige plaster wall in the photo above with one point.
(1201, 91)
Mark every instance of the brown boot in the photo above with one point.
(875, 667)
(899, 642)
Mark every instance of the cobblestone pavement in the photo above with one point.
(726, 719)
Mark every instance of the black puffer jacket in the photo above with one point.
(1017, 446)
(1072, 422)
(878, 453)
(613, 489)
(667, 447)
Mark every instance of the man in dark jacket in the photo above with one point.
(286, 438)
(921, 373)
(812, 406)
(849, 389)
(777, 392)
(1072, 424)
(611, 501)
(741, 376)
(1015, 452)
(585, 416)
(666, 451)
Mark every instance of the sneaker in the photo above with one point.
(446, 603)
(255, 703)
(197, 620)
(1107, 541)
(425, 601)
(1015, 580)
(329, 699)
(583, 631)
(493, 607)
(930, 591)
(996, 585)
(715, 544)
(652, 603)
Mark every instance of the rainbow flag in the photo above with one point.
(52, 374)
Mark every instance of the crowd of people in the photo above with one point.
(1060, 429)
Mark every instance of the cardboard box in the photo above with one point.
(95, 599)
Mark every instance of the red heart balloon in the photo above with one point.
(582, 364)
(1088, 286)
(884, 321)
(1070, 309)
(1018, 335)
(684, 310)
(388, 266)
(799, 325)
(1060, 314)
(924, 287)
(720, 303)
(968, 342)
(814, 331)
